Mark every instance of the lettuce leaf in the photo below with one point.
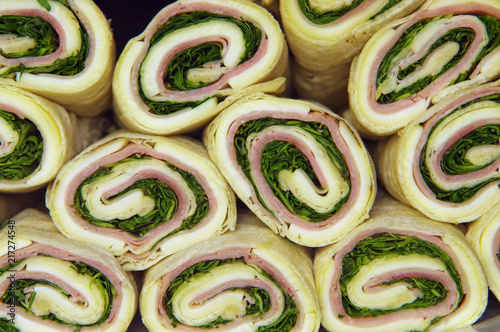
(166, 203)
(7, 326)
(27, 155)
(195, 57)
(454, 162)
(386, 245)
(322, 18)
(262, 300)
(279, 155)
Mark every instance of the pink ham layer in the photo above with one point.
(209, 90)
(442, 309)
(250, 258)
(155, 234)
(44, 249)
(427, 127)
(448, 77)
(264, 189)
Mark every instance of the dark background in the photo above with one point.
(129, 17)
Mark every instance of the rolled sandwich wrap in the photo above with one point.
(410, 64)
(324, 37)
(483, 235)
(60, 49)
(300, 168)
(246, 280)
(51, 283)
(142, 197)
(399, 271)
(193, 56)
(36, 140)
(446, 162)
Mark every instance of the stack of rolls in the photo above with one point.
(445, 163)
(300, 168)
(193, 58)
(51, 283)
(325, 36)
(61, 50)
(142, 197)
(399, 271)
(247, 280)
(414, 62)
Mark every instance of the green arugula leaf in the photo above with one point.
(279, 155)
(322, 18)
(44, 4)
(386, 245)
(7, 326)
(27, 154)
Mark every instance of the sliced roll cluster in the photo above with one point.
(174, 77)
(61, 50)
(36, 139)
(141, 197)
(325, 36)
(410, 64)
(300, 168)
(484, 236)
(445, 163)
(400, 271)
(51, 283)
(246, 280)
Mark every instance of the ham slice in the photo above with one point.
(426, 142)
(255, 258)
(377, 117)
(253, 188)
(42, 254)
(86, 93)
(463, 281)
(140, 76)
(170, 161)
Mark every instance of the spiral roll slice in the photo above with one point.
(246, 280)
(36, 138)
(414, 62)
(445, 163)
(175, 76)
(51, 283)
(62, 50)
(142, 197)
(483, 235)
(324, 37)
(399, 271)
(301, 169)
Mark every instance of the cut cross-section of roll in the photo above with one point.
(51, 283)
(247, 280)
(36, 140)
(446, 163)
(62, 50)
(324, 36)
(484, 236)
(416, 61)
(194, 55)
(300, 168)
(142, 197)
(400, 271)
